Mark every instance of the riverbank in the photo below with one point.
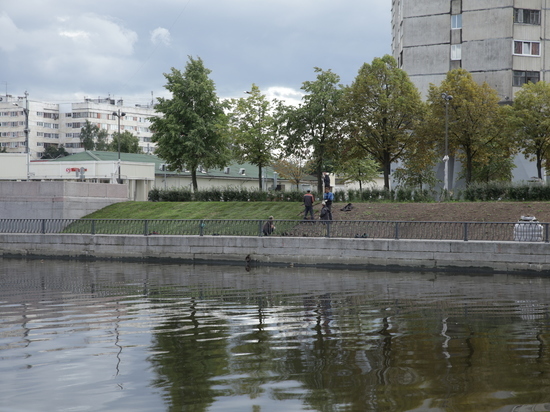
(417, 212)
(381, 254)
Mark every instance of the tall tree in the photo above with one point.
(531, 122)
(290, 168)
(191, 130)
(476, 126)
(418, 161)
(128, 143)
(355, 169)
(383, 108)
(314, 124)
(92, 137)
(253, 129)
(102, 140)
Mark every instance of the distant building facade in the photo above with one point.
(501, 42)
(54, 124)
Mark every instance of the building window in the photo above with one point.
(527, 48)
(456, 52)
(522, 77)
(456, 21)
(527, 16)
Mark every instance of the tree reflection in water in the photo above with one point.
(222, 338)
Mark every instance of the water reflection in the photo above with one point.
(135, 337)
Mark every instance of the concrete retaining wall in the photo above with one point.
(323, 252)
(57, 200)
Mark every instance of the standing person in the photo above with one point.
(308, 203)
(269, 227)
(325, 214)
(326, 179)
(328, 197)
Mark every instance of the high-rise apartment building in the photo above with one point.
(502, 42)
(60, 124)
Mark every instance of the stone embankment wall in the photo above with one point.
(503, 257)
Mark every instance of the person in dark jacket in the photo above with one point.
(309, 199)
(325, 214)
(269, 227)
(326, 179)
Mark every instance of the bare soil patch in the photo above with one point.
(444, 212)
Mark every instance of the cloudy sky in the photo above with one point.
(63, 51)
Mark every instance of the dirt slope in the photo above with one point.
(440, 212)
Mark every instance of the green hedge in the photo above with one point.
(492, 191)
(511, 192)
(223, 194)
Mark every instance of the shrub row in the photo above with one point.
(492, 191)
(233, 194)
(222, 194)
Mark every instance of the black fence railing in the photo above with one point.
(487, 231)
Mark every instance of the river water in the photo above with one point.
(106, 336)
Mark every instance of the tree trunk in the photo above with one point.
(194, 179)
(319, 179)
(387, 177)
(260, 177)
(469, 167)
(387, 169)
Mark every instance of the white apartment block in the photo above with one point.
(60, 124)
(502, 42)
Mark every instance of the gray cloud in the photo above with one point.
(65, 48)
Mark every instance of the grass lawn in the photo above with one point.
(200, 210)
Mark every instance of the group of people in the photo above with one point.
(309, 200)
(326, 204)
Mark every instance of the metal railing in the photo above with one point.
(487, 231)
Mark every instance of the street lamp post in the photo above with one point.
(119, 115)
(26, 112)
(447, 97)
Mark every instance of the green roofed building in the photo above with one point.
(140, 172)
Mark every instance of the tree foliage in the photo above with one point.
(530, 120)
(382, 107)
(253, 129)
(357, 169)
(92, 137)
(476, 132)
(290, 168)
(313, 127)
(191, 129)
(128, 143)
(54, 152)
(419, 159)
